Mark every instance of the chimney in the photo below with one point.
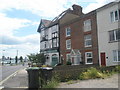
(77, 9)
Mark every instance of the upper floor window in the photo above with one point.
(68, 31)
(114, 35)
(88, 40)
(116, 55)
(54, 43)
(54, 35)
(68, 44)
(115, 15)
(87, 25)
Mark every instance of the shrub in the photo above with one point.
(91, 74)
(68, 63)
(117, 68)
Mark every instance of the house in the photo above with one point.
(78, 37)
(49, 41)
(108, 24)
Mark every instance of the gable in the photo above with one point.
(43, 24)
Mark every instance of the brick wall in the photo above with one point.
(77, 37)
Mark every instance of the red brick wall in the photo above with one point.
(77, 37)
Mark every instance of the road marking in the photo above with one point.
(10, 76)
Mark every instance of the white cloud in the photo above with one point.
(95, 5)
(9, 25)
(25, 45)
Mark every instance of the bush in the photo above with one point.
(91, 74)
(117, 68)
(68, 63)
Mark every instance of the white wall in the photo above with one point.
(104, 25)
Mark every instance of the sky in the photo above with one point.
(19, 21)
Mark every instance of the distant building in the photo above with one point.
(108, 23)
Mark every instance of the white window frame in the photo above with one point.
(68, 42)
(68, 29)
(115, 35)
(87, 25)
(85, 40)
(112, 16)
(115, 55)
(88, 57)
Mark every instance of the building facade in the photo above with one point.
(108, 23)
(78, 38)
(49, 42)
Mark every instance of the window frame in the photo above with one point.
(116, 55)
(114, 32)
(88, 57)
(68, 44)
(113, 16)
(87, 26)
(68, 29)
(85, 40)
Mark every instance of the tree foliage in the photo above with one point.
(16, 59)
(37, 58)
(21, 58)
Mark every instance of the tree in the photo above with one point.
(16, 59)
(37, 58)
(21, 59)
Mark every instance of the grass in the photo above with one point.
(53, 83)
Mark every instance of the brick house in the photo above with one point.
(78, 37)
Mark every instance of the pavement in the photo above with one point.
(17, 80)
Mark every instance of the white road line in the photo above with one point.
(10, 76)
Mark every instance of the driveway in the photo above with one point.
(110, 82)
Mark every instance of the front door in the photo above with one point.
(103, 59)
(54, 60)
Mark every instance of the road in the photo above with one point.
(6, 71)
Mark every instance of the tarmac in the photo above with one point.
(18, 80)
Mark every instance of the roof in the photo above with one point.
(43, 24)
(108, 5)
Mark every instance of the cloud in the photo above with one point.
(95, 5)
(25, 45)
(43, 8)
(8, 25)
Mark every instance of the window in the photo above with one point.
(116, 55)
(87, 25)
(114, 35)
(115, 15)
(68, 31)
(54, 35)
(68, 44)
(68, 57)
(54, 42)
(88, 41)
(88, 58)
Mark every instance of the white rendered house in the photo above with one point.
(49, 41)
(108, 23)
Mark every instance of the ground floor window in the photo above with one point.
(89, 58)
(116, 55)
